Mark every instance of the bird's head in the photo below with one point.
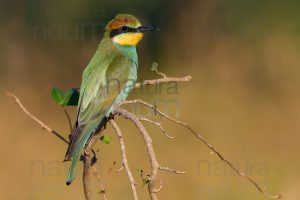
(126, 30)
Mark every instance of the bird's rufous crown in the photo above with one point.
(122, 20)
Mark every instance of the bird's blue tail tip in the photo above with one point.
(68, 183)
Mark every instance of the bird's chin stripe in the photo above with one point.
(128, 39)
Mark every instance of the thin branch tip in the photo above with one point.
(160, 186)
(159, 125)
(163, 168)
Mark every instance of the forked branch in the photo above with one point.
(148, 143)
(87, 154)
(164, 79)
(200, 137)
(89, 168)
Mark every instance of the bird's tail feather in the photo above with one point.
(72, 170)
(81, 136)
(73, 138)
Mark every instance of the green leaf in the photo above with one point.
(146, 179)
(69, 98)
(73, 99)
(105, 139)
(154, 67)
(58, 95)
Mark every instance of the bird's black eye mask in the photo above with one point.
(126, 29)
(123, 29)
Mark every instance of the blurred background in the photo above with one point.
(244, 96)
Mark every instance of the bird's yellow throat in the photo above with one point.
(128, 39)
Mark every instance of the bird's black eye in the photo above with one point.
(125, 29)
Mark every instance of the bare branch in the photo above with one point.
(159, 126)
(171, 170)
(164, 79)
(86, 178)
(200, 137)
(34, 118)
(88, 150)
(124, 158)
(87, 166)
(102, 188)
(68, 117)
(148, 142)
(160, 186)
(119, 170)
(107, 175)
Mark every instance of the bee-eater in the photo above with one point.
(106, 81)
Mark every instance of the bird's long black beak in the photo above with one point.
(143, 29)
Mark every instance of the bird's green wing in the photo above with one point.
(101, 88)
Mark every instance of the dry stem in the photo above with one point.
(124, 158)
(88, 151)
(147, 139)
(148, 142)
(163, 168)
(164, 79)
(159, 125)
(34, 118)
(200, 137)
(87, 167)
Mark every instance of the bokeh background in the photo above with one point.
(244, 96)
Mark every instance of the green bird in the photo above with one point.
(106, 81)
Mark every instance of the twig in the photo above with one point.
(119, 170)
(165, 79)
(102, 188)
(105, 179)
(171, 170)
(159, 126)
(148, 142)
(200, 137)
(124, 158)
(86, 178)
(68, 117)
(160, 187)
(42, 124)
(88, 151)
(161, 74)
(87, 166)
